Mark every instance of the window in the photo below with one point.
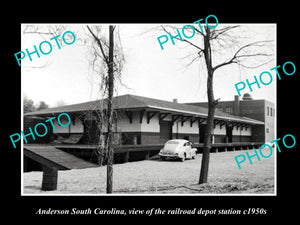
(228, 110)
(268, 110)
(271, 109)
(220, 109)
(186, 138)
(187, 144)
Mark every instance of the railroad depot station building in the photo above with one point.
(141, 126)
(146, 121)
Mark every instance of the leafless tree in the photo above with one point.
(107, 61)
(213, 45)
(113, 63)
(45, 32)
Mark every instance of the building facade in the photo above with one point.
(261, 110)
(143, 121)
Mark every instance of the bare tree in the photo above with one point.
(113, 64)
(107, 61)
(212, 43)
(45, 32)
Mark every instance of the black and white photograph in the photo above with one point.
(162, 118)
(149, 109)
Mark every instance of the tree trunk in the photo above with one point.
(110, 153)
(211, 109)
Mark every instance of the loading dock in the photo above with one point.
(52, 160)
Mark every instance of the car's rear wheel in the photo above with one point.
(194, 156)
(163, 158)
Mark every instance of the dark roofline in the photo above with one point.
(134, 102)
(228, 101)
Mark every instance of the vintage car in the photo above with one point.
(177, 149)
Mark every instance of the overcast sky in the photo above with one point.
(148, 71)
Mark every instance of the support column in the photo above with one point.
(49, 182)
(126, 157)
(147, 156)
(25, 163)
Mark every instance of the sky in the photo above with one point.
(66, 74)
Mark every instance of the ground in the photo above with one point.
(167, 177)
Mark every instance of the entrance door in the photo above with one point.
(229, 133)
(202, 132)
(165, 131)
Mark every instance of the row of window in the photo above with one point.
(227, 109)
(270, 111)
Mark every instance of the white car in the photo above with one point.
(177, 149)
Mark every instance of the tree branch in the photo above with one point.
(250, 55)
(184, 40)
(100, 45)
(250, 44)
(217, 32)
(256, 66)
(235, 57)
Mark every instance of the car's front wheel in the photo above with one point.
(183, 158)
